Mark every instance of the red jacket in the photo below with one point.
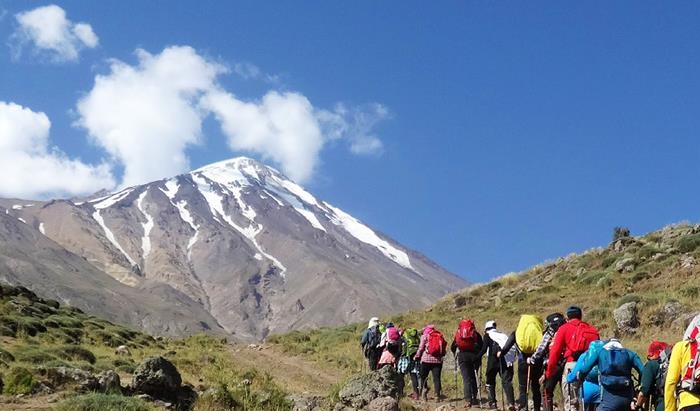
(559, 348)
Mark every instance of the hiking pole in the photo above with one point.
(478, 388)
(480, 377)
(527, 384)
(454, 355)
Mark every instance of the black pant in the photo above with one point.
(468, 366)
(535, 371)
(506, 374)
(373, 355)
(436, 369)
(550, 384)
(414, 377)
(691, 408)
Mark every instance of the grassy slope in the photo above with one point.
(658, 272)
(38, 334)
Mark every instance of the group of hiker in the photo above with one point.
(593, 374)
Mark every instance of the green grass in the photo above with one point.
(18, 380)
(103, 402)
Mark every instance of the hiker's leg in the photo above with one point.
(468, 380)
(569, 391)
(424, 370)
(437, 374)
(507, 382)
(491, 384)
(414, 378)
(466, 388)
(535, 374)
(522, 383)
(475, 382)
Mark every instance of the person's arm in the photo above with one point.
(573, 375)
(546, 339)
(453, 347)
(421, 348)
(363, 339)
(555, 351)
(486, 343)
(647, 383)
(673, 375)
(636, 363)
(509, 344)
(588, 364)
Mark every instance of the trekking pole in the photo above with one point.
(478, 388)
(527, 384)
(480, 378)
(455, 373)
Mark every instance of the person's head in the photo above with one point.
(574, 312)
(373, 322)
(490, 325)
(555, 320)
(655, 349)
(428, 329)
(389, 324)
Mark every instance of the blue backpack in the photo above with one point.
(615, 367)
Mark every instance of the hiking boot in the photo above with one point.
(511, 407)
(424, 394)
(440, 398)
(493, 406)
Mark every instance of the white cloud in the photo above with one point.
(51, 34)
(32, 169)
(281, 127)
(146, 115)
(249, 71)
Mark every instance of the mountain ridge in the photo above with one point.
(254, 249)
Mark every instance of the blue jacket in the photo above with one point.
(591, 390)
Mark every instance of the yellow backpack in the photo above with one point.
(528, 335)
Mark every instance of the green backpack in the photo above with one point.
(411, 342)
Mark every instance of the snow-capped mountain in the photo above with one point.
(256, 251)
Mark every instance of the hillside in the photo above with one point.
(236, 245)
(660, 272)
(48, 350)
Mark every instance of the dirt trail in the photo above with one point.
(29, 403)
(294, 374)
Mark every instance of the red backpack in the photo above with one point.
(465, 336)
(582, 337)
(436, 344)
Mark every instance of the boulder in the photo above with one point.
(666, 315)
(627, 318)
(625, 264)
(158, 378)
(383, 404)
(109, 381)
(123, 351)
(307, 403)
(65, 375)
(363, 389)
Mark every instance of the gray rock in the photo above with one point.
(383, 404)
(365, 388)
(627, 318)
(109, 381)
(307, 403)
(626, 264)
(667, 314)
(158, 378)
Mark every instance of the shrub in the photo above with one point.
(65, 321)
(620, 232)
(688, 243)
(19, 380)
(103, 402)
(34, 355)
(690, 292)
(640, 276)
(72, 352)
(591, 277)
(647, 251)
(608, 261)
(628, 299)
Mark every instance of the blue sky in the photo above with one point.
(488, 135)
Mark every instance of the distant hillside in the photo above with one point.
(659, 272)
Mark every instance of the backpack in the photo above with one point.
(392, 335)
(465, 336)
(436, 344)
(581, 338)
(528, 335)
(499, 339)
(663, 370)
(373, 338)
(411, 342)
(691, 375)
(615, 369)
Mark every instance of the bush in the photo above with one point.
(34, 355)
(647, 251)
(103, 402)
(65, 321)
(620, 232)
(72, 352)
(19, 380)
(688, 243)
(591, 278)
(628, 299)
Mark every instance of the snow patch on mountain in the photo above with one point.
(147, 226)
(41, 229)
(187, 217)
(216, 205)
(171, 188)
(110, 235)
(110, 200)
(366, 235)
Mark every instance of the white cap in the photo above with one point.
(489, 325)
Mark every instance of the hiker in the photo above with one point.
(654, 376)
(570, 341)
(390, 344)
(369, 343)
(527, 337)
(683, 375)
(552, 322)
(466, 347)
(410, 341)
(496, 364)
(431, 349)
(615, 364)
(590, 389)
